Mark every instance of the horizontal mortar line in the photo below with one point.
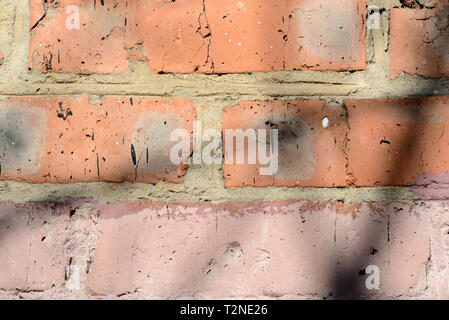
(312, 82)
(201, 82)
(236, 96)
(169, 193)
(187, 85)
(93, 198)
(331, 77)
(319, 77)
(223, 95)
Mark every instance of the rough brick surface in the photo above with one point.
(197, 250)
(72, 139)
(394, 142)
(309, 153)
(172, 36)
(95, 47)
(213, 251)
(32, 255)
(419, 42)
(362, 151)
(326, 35)
(190, 36)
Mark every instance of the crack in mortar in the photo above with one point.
(350, 178)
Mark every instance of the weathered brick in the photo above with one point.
(397, 142)
(95, 45)
(419, 44)
(245, 250)
(32, 255)
(326, 35)
(247, 35)
(171, 35)
(61, 139)
(311, 137)
(189, 36)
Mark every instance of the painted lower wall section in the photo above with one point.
(280, 250)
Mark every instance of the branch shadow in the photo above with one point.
(344, 283)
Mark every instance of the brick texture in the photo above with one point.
(32, 253)
(229, 250)
(397, 141)
(74, 140)
(371, 142)
(92, 205)
(309, 154)
(419, 43)
(198, 250)
(190, 36)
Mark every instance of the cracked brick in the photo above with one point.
(419, 42)
(198, 36)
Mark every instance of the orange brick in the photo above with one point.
(62, 139)
(171, 35)
(326, 35)
(395, 142)
(164, 33)
(192, 36)
(96, 47)
(419, 44)
(310, 154)
(247, 36)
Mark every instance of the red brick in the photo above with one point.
(397, 142)
(97, 47)
(31, 249)
(229, 250)
(419, 43)
(309, 154)
(61, 139)
(246, 35)
(326, 35)
(168, 35)
(164, 33)
(186, 37)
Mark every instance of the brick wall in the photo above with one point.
(92, 204)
